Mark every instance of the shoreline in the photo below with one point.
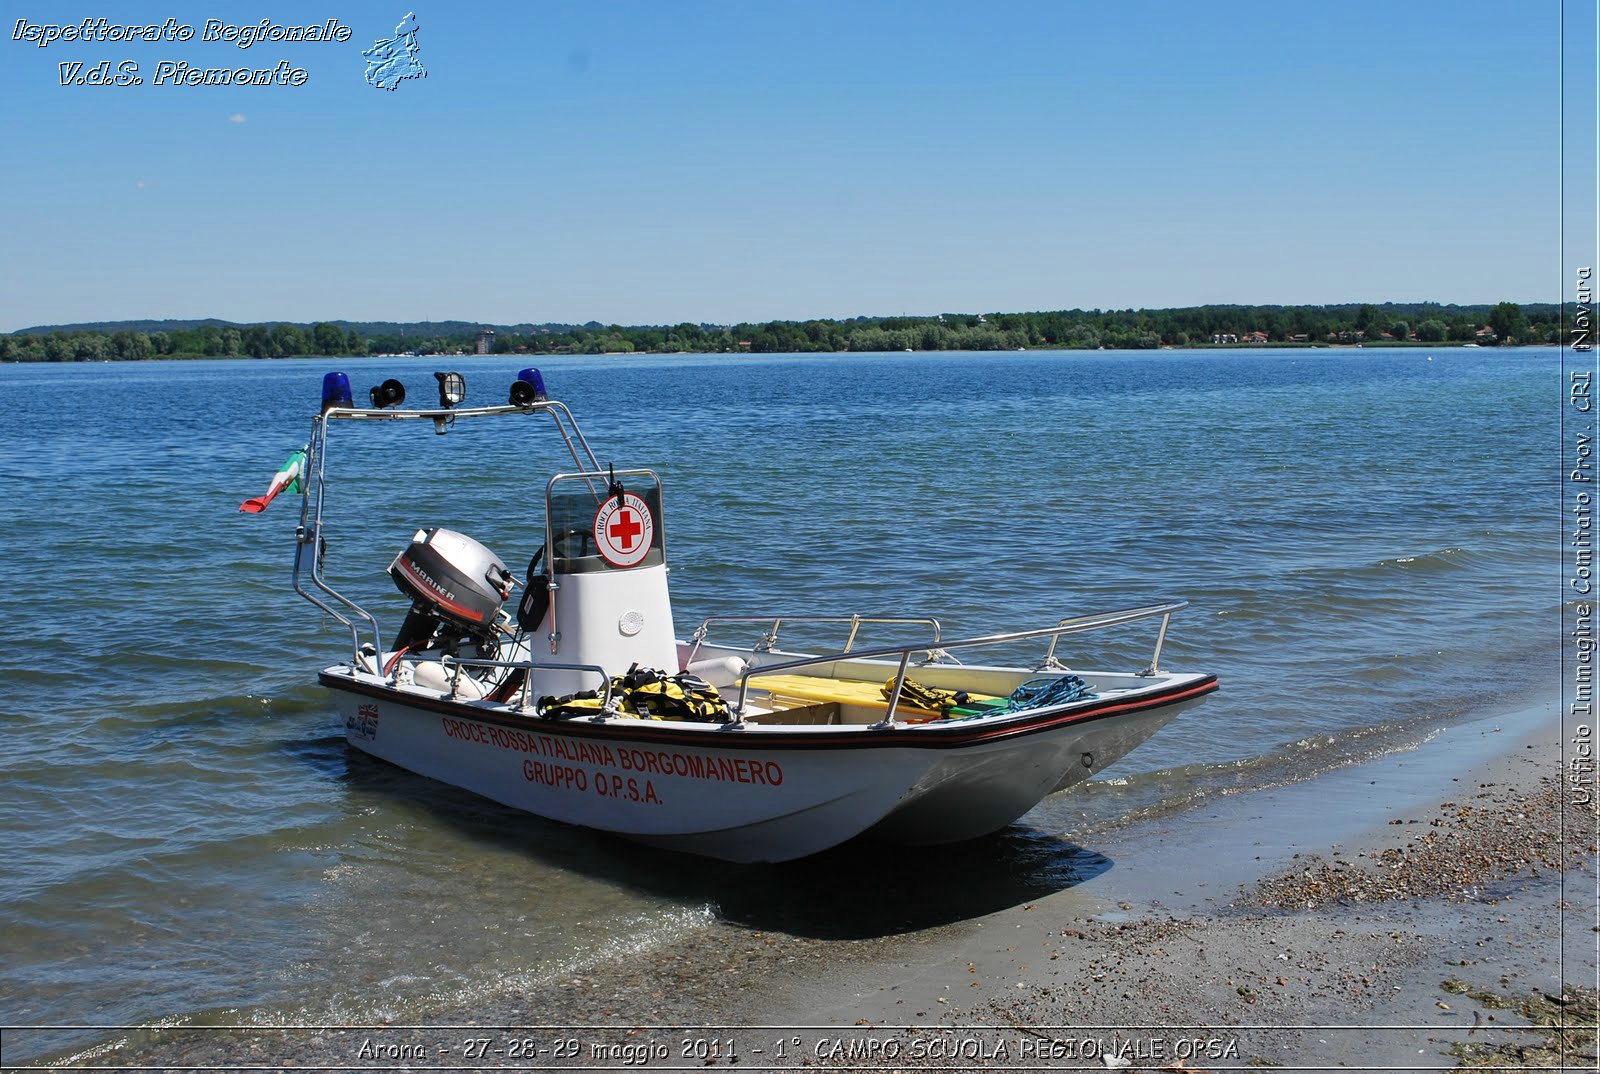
(1191, 935)
(1270, 345)
(1389, 894)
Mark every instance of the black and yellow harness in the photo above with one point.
(646, 694)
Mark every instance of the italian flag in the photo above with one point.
(290, 476)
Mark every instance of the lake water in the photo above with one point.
(1367, 541)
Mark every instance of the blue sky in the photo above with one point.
(670, 161)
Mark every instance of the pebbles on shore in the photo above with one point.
(1472, 845)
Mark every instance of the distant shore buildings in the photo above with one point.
(485, 341)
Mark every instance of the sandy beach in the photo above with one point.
(1421, 911)
(1418, 931)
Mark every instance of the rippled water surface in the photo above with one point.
(1367, 540)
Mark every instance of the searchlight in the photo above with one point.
(452, 389)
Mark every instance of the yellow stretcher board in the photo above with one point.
(813, 689)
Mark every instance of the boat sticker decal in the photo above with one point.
(624, 530)
(364, 724)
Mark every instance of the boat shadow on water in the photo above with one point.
(859, 890)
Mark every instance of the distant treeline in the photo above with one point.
(414, 329)
(1388, 323)
(207, 341)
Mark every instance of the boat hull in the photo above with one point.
(972, 794)
(750, 795)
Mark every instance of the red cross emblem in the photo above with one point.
(624, 531)
(624, 528)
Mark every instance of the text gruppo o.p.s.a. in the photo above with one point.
(628, 762)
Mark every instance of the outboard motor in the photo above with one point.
(456, 586)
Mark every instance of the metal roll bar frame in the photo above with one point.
(311, 532)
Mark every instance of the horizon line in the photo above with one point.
(785, 320)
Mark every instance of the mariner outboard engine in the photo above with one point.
(456, 586)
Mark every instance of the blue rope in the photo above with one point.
(1038, 694)
(1042, 693)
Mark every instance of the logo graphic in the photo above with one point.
(624, 530)
(392, 61)
(364, 724)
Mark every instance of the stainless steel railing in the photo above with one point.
(457, 663)
(310, 534)
(769, 640)
(1074, 625)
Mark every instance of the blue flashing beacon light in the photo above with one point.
(528, 388)
(335, 391)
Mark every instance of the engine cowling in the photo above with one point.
(452, 579)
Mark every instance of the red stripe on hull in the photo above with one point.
(924, 736)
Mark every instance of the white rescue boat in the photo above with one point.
(581, 704)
